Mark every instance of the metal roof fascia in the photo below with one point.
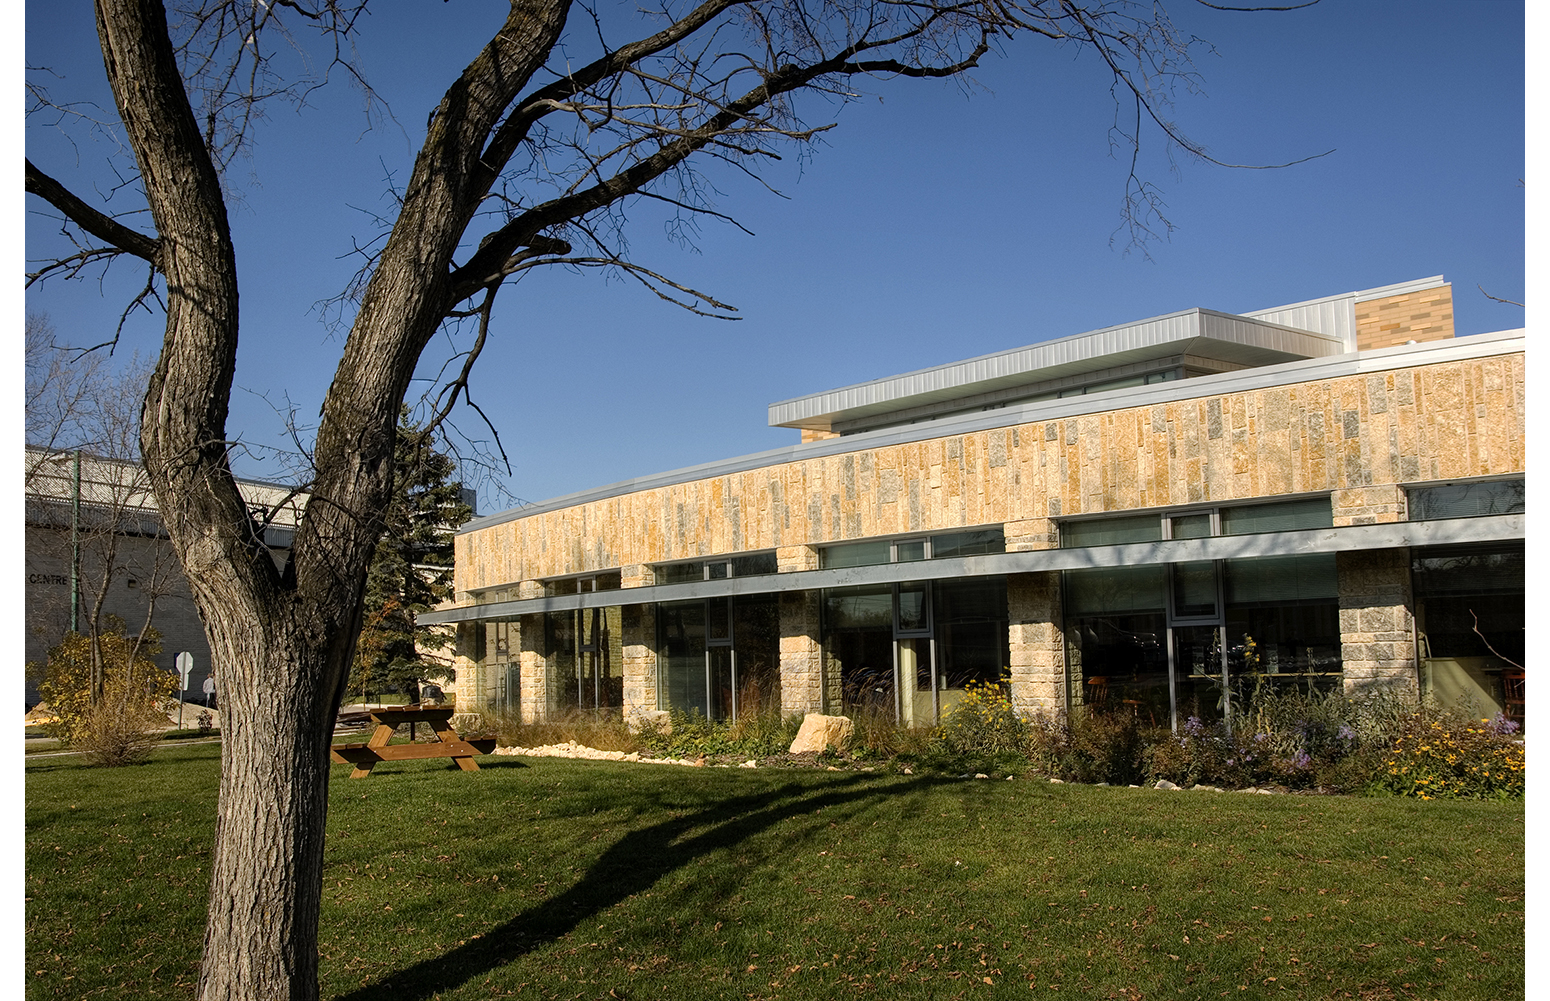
(1402, 534)
(1361, 295)
(987, 373)
(1285, 373)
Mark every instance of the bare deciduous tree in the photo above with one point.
(82, 420)
(532, 158)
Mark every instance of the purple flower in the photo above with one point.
(1346, 733)
(1302, 761)
(1502, 726)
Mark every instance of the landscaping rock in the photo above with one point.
(1165, 784)
(1057, 782)
(981, 775)
(819, 731)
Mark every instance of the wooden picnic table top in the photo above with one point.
(388, 718)
(412, 714)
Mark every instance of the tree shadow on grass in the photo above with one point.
(631, 865)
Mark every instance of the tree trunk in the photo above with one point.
(277, 706)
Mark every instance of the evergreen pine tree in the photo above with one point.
(412, 569)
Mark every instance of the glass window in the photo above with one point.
(1197, 665)
(583, 652)
(1467, 500)
(756, 643)
(1194, 589)
(1120, 661)
(1111, 531)
(858, 607)
(681, 659)
(608, 581)
(858, 647)
(914, 608)
(1270, 579)
(976, 543)
(1279, 644)
(909, 550)
(717, 570)
(855, 554)
(1284, 516)
(1471, 614)
(1191, 526)
(1116, 589)
(680, 573)
(754, 565)
(969, 619)
(1477, 569)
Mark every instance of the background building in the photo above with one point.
(126, 560)
(1162, 515)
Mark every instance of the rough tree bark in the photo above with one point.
(281, 639)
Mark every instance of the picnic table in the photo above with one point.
(447, 745)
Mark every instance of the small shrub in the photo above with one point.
(112, 728)
(984, 723)
(205, 722)
(752, 735)
(1087, 746)
(115, 734)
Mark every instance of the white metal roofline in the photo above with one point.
(1360, 295)
(1308, 370)
(1198, 326)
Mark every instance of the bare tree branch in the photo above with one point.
(1490, 296)
(1487, 642)
(103, 227)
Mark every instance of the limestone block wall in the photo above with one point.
(802, 687)
(639, 626)
(1426, 315)
(1036, 642)
(1377, 620)
(1437, 421)
(1380, 505)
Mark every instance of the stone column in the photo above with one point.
(638, 625)
(1035, 637)
(1036, 642)
(470, 690)
(1377, 621)
(532, 666)
(802, 687)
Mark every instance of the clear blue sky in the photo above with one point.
(931, 225)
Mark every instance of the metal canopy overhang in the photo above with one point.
(1227, 547)
(1204, 333)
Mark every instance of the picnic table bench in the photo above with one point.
(447, 745)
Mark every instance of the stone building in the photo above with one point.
(1163, 515)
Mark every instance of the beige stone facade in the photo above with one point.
(1430, 422)
(1360, 440)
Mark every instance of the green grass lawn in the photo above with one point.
(548, 878)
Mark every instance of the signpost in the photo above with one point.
(185, 665)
